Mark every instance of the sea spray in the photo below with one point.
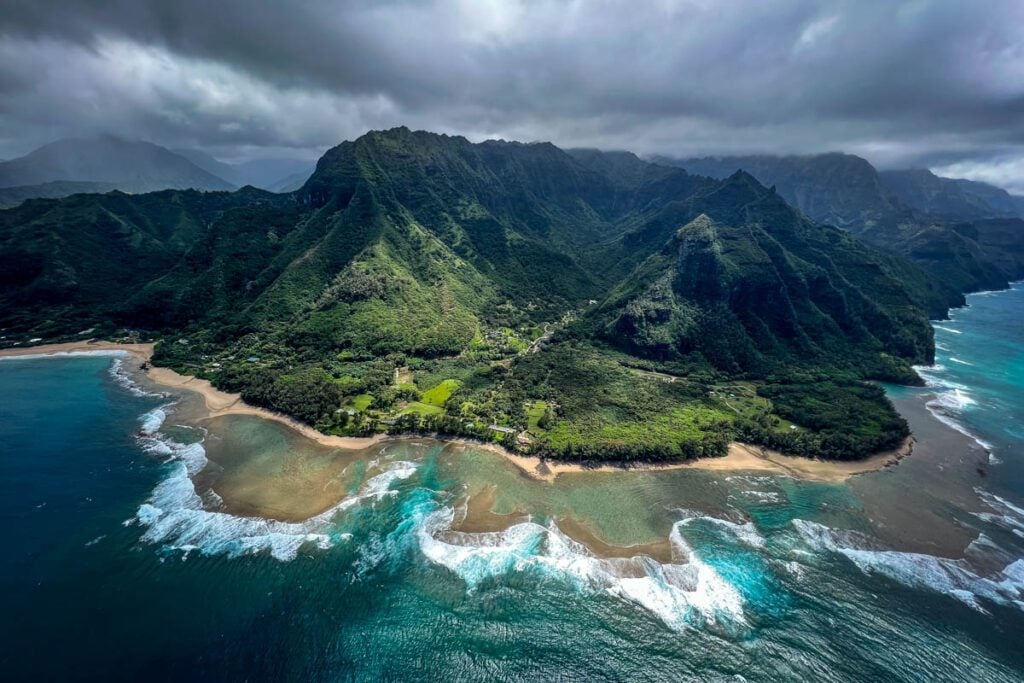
(684, 592)
(176, 516)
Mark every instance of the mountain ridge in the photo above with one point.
(944, 225)
(509, 274)
(129, 166)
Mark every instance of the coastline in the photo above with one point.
(740, 458)
(218, 403)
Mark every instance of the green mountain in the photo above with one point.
(956, 199)
(12, 196)
(837, 189)
(940, 223)
(580, 305)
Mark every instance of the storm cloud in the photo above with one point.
(937, 83)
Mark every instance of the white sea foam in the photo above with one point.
(175, 515)
(124, 380)
(944, 408)
(955, 578)
(761, 496)
(685, 591)
(745, 533)
(947, 329)
(961, 362)
(950, 402)
(153, 420)
(1006, 515)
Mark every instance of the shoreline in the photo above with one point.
(740, 458)
(218, 403)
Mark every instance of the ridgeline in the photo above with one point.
(579, 305)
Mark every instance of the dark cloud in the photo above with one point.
(939, 82)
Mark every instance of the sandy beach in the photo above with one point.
(741, 457)
(218, 402)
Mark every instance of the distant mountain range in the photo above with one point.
(130, 166)
(109, 163)
(276, 175)
(12, 196)
(958, 229)
(847, 191)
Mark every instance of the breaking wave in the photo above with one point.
(1006, 515)
(951, 401)
(955, 578)
(125, 381)
(684, 592)
(177, 517)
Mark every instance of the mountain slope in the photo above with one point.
(420, 281)
(937, 222)
(838, 189)
(129, 166)
(74, 260)
(12, 196)
(927, 193)
(748, 290)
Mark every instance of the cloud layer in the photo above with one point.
(917, 82)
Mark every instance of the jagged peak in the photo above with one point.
(701, 224)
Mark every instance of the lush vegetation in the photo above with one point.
(585, 306)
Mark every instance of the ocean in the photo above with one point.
(142, 542)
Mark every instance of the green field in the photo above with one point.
(439, 395)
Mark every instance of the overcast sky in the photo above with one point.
(924, 82)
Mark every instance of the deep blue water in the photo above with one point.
(114, 567)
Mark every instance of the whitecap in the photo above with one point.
(1006, 515)
(745, 533)
(153, 420)
(947, 329)
(954, 578)
(943, 408)
(686, 591)
(175, 515)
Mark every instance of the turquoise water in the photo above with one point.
(127, 556)
(979, 373)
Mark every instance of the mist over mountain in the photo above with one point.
(943, 224)
(839, 189)
(952, 198)
(129, 166)
(276, 175)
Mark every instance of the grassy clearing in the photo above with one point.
(534, 413)
(439, 395)
(361, 402)
(421, 409)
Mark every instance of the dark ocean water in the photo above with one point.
(129, 555)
